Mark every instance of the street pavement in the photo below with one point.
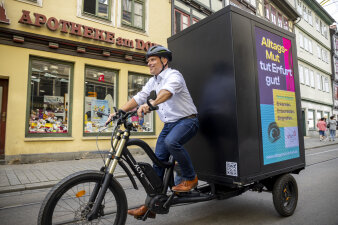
(42, 175)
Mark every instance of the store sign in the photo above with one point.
(3, 16)
(277, 97)
(68, 27)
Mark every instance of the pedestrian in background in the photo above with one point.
(332, 125)
(322, 128)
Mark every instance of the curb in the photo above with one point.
(35, 186)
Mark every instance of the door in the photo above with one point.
(3, 110)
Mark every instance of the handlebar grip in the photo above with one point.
(151, 107)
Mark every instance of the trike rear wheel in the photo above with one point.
(67, 202)
(285, 195)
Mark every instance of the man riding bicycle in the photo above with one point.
(176, 110)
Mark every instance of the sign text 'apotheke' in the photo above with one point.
(65, 26)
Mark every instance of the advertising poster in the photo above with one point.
(277, 97)
(98, 107)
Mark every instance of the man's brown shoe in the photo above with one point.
(139, 212)
(186, 185)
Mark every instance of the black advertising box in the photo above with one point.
(242, 74)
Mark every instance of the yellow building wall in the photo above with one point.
(14, 66)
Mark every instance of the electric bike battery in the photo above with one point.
(242, 74)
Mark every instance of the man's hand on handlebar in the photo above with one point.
(143, 110)
(110, 118)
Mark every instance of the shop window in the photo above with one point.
(100, 97)
(310, 119)
(326, 115)
(145, 124)
(133, 13)
(99, 8)
(182, 21)
(49, 98)
(319, 115)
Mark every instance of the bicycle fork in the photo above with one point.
(100, 190)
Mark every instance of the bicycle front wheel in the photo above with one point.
(68, 202)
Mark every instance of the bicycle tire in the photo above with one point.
(71, 193)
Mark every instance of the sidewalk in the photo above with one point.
(42, 175)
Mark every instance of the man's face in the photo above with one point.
(155, 65)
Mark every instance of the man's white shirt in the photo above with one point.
(179, 105)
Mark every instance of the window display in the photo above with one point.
(135, 84)
(100, 97)
(49, 96)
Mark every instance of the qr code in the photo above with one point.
(231, 168)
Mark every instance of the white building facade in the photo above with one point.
(314, 63)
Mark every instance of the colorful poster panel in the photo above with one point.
(277, 97)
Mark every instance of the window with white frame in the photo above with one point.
(273, 15)
(280, 20)
(301, 43)
(323, 83)
(306, 74)
(301, 74)
(319, 82)
(33, 2)
(324, 30)
(285, 23)
(317, 24)
(312, 79)
(321, 27)
(319, 52)
(310, 17)
(327, 87)
(306, 46)
(299, 7)
(310, 45)
(99, 8)
(305, 13)
(267, 10)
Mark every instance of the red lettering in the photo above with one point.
(65, 25)
(110, 37)
(99, 35)
(88, 32)
(128, 43)
(119, 41)
(52, 23)
(39, 19)
(75, 29)
(139, 44)
(25, 18)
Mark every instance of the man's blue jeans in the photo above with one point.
(170, 142)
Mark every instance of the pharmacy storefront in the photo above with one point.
(57, 76)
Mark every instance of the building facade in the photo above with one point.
(334, 51)
(314, 61)
(64, 62)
